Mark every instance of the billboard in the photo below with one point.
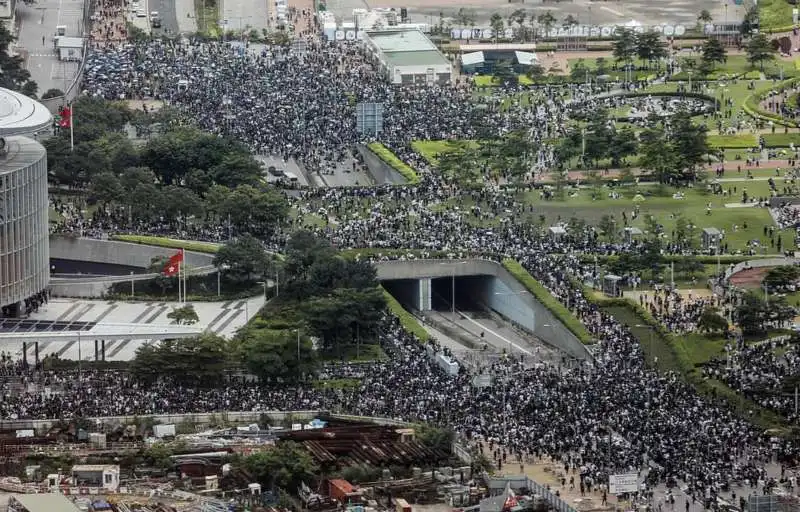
(623, 483)
(594, 31)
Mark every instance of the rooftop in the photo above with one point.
(94, 468)
(423, 58)
(401, 40)
(20, 152)
(45, 503)
(21, 115)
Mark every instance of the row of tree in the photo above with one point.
(181, 174)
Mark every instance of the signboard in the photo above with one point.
(482, 381)
(623, 483)
(595, 31)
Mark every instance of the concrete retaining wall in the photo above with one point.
(381, 172)
(542, 323)
(117, 253)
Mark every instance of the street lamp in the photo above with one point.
(453, 280)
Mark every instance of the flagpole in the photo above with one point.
(183, 260)
(71, 127)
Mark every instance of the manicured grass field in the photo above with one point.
(488, 81)
(665, 210)
(774, 14)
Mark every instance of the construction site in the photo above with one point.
(359, 467)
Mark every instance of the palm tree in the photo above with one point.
(547, 20)
(704, 16)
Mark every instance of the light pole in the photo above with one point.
(453, 281)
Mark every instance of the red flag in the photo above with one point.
(65, 117)
(173, 264)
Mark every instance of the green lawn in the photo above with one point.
(774, 14)
(737, 65)
(488, 81)
(693, 207)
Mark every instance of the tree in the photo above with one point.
(685, 234)
(497, 26)
(713, 52)
(106, 188)
(52, 93)
(751, 314)
(782, 278)
(344, 315)
(184, 315)
(199, 361)
(625, 45)
(302, 251)
(650, 47)
(518, 17)
(623, 144)
(284, 466)
(272, 355)
(504, 74)
(243, 259)
(759, 49)
(255, 210)
(711, 321)
(535, 72)
(546, 20)
(608, 226)
(704, 16)
(750, 21)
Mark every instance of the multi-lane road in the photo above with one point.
(37, 27)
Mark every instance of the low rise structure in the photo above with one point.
(407, 56)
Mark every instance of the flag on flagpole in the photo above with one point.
(173, 266)
(65, 116)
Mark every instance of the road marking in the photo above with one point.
(612, 11)
(495, 334)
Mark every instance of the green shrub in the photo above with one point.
(395, 163)
(407, 320)
(743, 141)
(206, 247)
(781, 140)
(538, 291)
(752, 75)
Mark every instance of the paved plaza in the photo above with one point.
(239, 15)
(222, 318)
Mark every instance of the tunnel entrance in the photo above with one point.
(471, 293)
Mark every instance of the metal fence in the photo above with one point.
(556, 502)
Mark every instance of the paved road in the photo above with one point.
(241, 15)
(40, 21)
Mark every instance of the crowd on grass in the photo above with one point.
(612, 414)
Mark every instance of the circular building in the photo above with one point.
(24, 231)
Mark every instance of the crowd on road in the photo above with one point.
(610, 415)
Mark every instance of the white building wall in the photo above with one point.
(24, 236)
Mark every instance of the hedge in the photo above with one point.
(752, 105)
(171, 243)
(743, 141)
(395, 163)
(781, 140)
(407, 320)
(543, 295)
(744, 407)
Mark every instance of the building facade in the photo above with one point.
(24, 206)
(407, 56)
(24, 233)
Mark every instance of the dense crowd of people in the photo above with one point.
(609, 415)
